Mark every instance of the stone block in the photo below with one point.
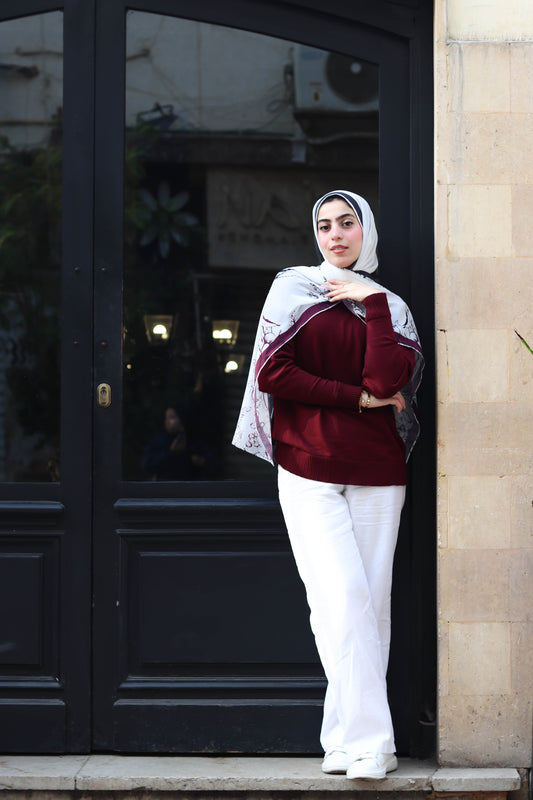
(479, 512)
(484, 293)
(479, 151)
(447, 292)
(441, 53)
(522, 657)
(479, 658)
(485, 731)
(499, 22)
(40, 773)
(520, 144)
(469, 65)
(482, 779)
(485, 439)
(521, 582)
(521, 68)
(522, 511)
(147, 777)
(440, 20)
(447, 149)
(484, 149)
(474, 586)
(521, 367)
(443, 652)
(217, 775)
(443, 383)
(522, 199)
(441, 222)
(472, 214)
(442, 511)
(477, 365)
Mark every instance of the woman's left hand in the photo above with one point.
(348, 290)
(397, 400)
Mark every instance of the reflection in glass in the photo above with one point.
(230, 137)
(31, 67)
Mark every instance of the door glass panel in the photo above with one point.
(230, 138)
(31, 76)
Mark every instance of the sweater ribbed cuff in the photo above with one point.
(376, 306)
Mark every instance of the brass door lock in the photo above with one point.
(103, 394)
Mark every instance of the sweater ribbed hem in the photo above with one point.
(365, 472)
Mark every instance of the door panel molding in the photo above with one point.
(220, 727)
(28, 510)
(25, 736)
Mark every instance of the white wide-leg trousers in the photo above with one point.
(343, 539)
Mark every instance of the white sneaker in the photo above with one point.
(336, 761)
(372, 765)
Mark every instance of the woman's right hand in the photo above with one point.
(349, 290)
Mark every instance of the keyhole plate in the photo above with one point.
(103, 394)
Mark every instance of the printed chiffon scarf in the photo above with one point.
(295, 297)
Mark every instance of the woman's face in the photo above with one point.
(339, 233)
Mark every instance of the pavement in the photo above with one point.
(113, 773)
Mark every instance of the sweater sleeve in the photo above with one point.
(388, 364)
(283, 378)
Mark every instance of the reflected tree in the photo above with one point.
(30, 258)
(165, 249)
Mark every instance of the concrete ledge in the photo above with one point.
(232, 774)
(113, 773)
(482, 779)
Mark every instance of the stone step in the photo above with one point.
(45, 777)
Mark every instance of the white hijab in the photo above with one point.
(368, 259)
(295, 297)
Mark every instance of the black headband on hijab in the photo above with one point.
(347, 199)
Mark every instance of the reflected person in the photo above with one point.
(172, 455)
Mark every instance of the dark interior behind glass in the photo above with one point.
(230, 138)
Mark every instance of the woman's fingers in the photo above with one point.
(348, 290)
(400, 401)
(397, 400)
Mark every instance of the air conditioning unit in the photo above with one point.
(334, 83)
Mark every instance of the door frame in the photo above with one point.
(77, 354)
(405, 243)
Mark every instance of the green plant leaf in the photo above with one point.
(524, 342)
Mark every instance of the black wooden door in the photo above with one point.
(201, 640)
(145, 207)
(45, 375)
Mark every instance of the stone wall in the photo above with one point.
(484, 278)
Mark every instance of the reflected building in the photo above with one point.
(239, 135)
(230, 136)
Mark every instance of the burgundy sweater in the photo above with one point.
(316, 380)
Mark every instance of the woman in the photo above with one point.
(329, 398)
